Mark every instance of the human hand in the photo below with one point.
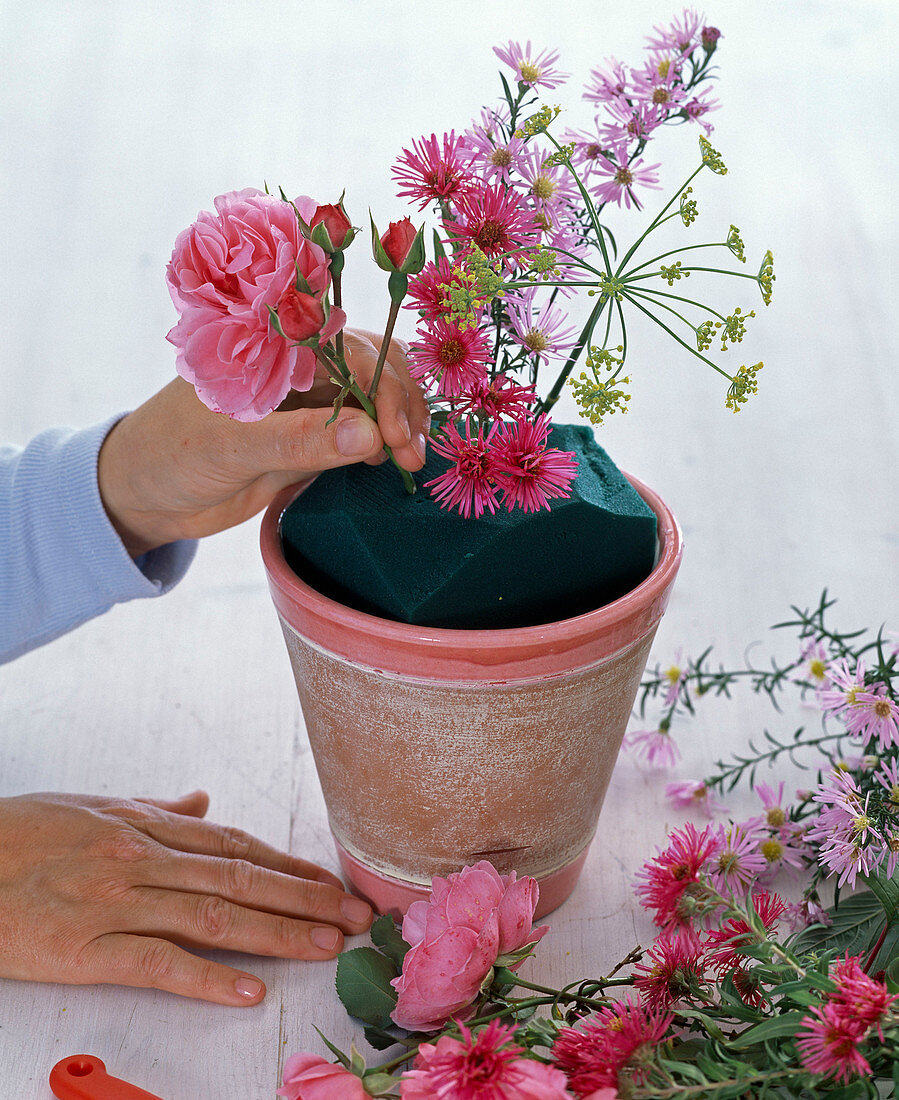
(99, 889)
(173, 469)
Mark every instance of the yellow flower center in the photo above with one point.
(664, 66)
(535, 340)
(817, 668)
(624, 177)
(727, 861)
(529, 71)
(775, 816)
(501, 158)
(894, 794)
(660, 95)
(543, 188)
(772, 850)
(861, 823)
(882, 708)
(673, 674)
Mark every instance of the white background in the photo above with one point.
(118, 123)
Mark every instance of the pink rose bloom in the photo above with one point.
(226, 270)
(472, 918)
(309, 1077)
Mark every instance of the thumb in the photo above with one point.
(303, 440)
(194, 804)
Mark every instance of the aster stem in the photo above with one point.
(588, 205)
(553, 396)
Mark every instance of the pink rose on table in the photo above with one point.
(471, 919)
(226, 270)
(309, 1077)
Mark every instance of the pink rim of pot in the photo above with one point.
(518, 653)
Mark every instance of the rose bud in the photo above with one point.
(301, 316)
(335, 223)
(401, 249)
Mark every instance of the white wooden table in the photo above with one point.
(120, 122)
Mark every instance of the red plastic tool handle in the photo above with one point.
(84, 1077)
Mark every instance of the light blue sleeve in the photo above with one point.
(61, 561)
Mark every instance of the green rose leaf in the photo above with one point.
(363, 985)
(386, 935)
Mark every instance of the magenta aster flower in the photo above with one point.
(533, 69)
(482, 1066)
(433, 170)
(693, 793)
(859, 996)
(674, 970)
(429, 289)
(620, 1037)
(724, 944)
(669, 884)
(737, 862)
(453, 358)
(545, 332)
(499, 397)
(529, 473)
(827, 1043)
(496, 220)
(656, 747)
(621, 175)
(468, 484)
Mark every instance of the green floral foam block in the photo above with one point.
(359, 538)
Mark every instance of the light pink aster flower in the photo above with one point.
(494, 157)
(738, 861)
(682, 34)
(659, 86)
(888, 778)
(873, 714)
(468, 484)
(802, 913)
(629, 122)
(817, 661)
(536, 70)
(607, 84)
(550, 190)
(616, 177)
(529, 472)
(543, 331)
(843, 829)
(693, 793)
(775, 814)
(846, 684)
(701, 105)
(434, 169)
(485, 1066)
(656, 747)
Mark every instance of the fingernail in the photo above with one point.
(403, 422)
(421, 445)
(324, 938)
(249, 988)
(354, 437)
(355, 910)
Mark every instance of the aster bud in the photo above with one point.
(709, 37)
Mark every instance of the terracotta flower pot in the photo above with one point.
(436, 748)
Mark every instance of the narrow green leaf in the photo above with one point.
(768, 1029)
(336, 1051)
(363, 985)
